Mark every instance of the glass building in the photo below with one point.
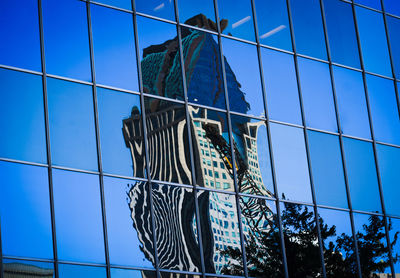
(212, 138)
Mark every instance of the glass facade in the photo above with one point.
(213, 138)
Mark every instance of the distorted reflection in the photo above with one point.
(22, 269)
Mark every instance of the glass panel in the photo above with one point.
(236, 18)
(243, 77)
(353, 113)
(327, 169)
(317, 95)
(291, 166)
(361, 175)
(373, 41)
(160, 8)
(394, 231)
(79, 227)
(384, 109)
(175, 275)
(71, 120)
(220, 233)
(168, 145)
(19, 268)
(389, 168)
(281, 86)
(341, 33)
(25, 211)
(197, 13)
(160, 58)
(66, 39)
(204, 78)
(21, 108)
(130, 236)
(308, 30)
(81, 271)
(19, 31)
(394, 30)
(273, 23)
(253, 167)
(128, 273)
(114, 48)
(122, 151)
(376, 4)
(392, 7)
(124, 4)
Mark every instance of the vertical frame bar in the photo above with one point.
(1, 254)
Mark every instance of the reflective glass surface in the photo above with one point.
(114, 48)
(159, 8)
(81, 271)
(72, 130)
(394, 30)
(394, 233)
(291, 166)
(124, 4)
(392, 7)
(375, 4)
(128, 273)
(197, 13)
(79, 226)
(22, 121)
(25, 211)
(327, 169)
(11, 268)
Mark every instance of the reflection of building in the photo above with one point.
(20, 270)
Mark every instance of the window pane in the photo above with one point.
(273, 23)
(394, 229)
(114, 48)
(308, 30)
(72, 131)
(317, 95)
(79, 226)
(291, 166)
(17, 268)
(236, 18)
(394, 30)
(128, 273)
(19, 31)
(373, 41)
(81, 271)
(392, 7)
(243, 77)
(327, 169)
(21, 108)
(66, 39)
(197, 13)
(376, 4)
(384, 109)
(124, 4)
(160, 58)
(281, 86)
(341, 33)
(25, 211)
(353, 113)
(159, 8)
(361, 175)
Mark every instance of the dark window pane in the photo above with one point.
(394, 231)
(389, 168)
(392, 7)
(81, 271)
(25, 211)
(317, 95)
(66, 39)
(122, 150)
(384, 109)
(21, 111)
(130, 237)
(373, 41)
(197, 13)
(361, 175)
(159, 8)
(79, 226)
(124, 4)
(327, 169)
(236, 18)
(353, 113)
(160, 58)
(394, 31)
(128, 273)
(17, 268)
(72, 131)
(308, 28)
(341, 33)
(19, 32)
(273, 23)
(281, 86)
(376, 4)
(243, 77)
(291, 166)
(114, 48)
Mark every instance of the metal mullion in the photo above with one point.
(99, 158)
(1, 254)
(2, 66)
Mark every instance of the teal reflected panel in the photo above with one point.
(375, 4)
(319, 108)
(394, 232)
(21, 110)
(392, 7)
(361, 175)
(192, 12)
(394, 38)
(373, 41)
(32, 268)
(19, 33)
(114, 48)
(158, 8)
(121, 134)
(81, 271)
(71, 120)
(327, 169)
(281, 86)
(129, 273)
(292, 178)
(389, 169)
(66, 39)
(25, 211)
(124, 4)
(78, 215)
(351, 103)
(384, 109)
